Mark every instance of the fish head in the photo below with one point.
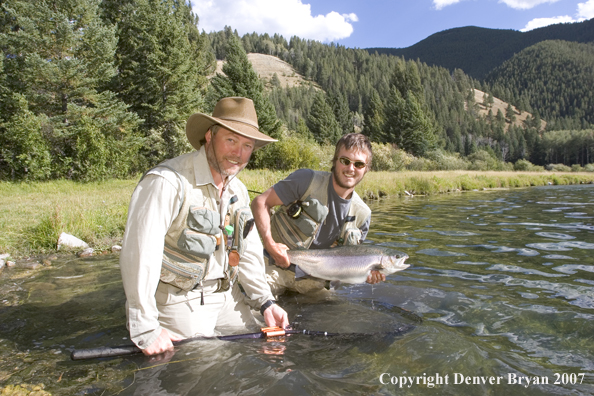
(393, 263)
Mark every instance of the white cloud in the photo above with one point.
(439, 4)
(285, 17)
(525, 4)
(515, 4)
(586, 10)
(541, 22)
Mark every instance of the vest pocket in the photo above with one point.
(315, 209)
(181, 270)
(203, 220)
(313, 213)
(197, 243)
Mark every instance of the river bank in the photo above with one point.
(33, 215)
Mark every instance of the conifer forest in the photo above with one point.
(92, 90)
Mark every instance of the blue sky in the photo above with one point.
(382, 23)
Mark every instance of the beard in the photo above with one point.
(339, 181)
(218, 164)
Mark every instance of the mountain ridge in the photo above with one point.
(477, 50)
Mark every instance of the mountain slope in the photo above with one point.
(555, 77)
(478, 50)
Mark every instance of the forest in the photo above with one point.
(92, 90)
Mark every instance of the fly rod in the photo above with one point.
(265, 332)
(122, 350)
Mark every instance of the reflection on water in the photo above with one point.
(504, 282)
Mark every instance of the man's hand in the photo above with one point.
(261, 207)
(276, 316)
(376, 277)
(278, 252)
(162, 344)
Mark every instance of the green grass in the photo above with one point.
(33, 215)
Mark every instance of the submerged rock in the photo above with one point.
(30, 265)
(88, 252)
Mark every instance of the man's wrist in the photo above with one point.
(266, 305)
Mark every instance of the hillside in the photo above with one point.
(500, 105)
(478, 50)
(267, 65)
(555, 77)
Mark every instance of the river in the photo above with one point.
(499, 299)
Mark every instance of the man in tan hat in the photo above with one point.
(188, 238)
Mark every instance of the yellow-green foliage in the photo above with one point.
(294, 153)
(558, 168)
(33, 215)
(24, 390)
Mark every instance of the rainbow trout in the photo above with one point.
(348, 264)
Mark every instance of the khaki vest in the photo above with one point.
(300, 232)
(194, 235)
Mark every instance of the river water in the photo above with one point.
(499, 299)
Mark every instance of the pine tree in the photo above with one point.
(341, 110)
(322, 122)
(510, 113)
(162, 67)
(395, 117)
(240, 79)
(374, 119)
(58, 59)
(418, 131)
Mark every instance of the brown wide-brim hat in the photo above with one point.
(235, 114)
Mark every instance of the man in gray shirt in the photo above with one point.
(318, 210)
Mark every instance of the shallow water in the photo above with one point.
(503, 281)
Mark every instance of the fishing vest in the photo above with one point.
(299, 231)
(195, 234)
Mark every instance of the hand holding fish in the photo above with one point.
(375, 277)
(278, 252)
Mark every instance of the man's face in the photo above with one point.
(348, 176)
(227, 152)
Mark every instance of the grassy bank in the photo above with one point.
(33, 215)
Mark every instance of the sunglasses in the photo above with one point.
(346, 162)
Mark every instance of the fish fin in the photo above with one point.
(299, 273)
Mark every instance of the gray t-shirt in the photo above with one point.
(294, 186)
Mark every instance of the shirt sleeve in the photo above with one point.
(293, 186)
(365, 228)
(252, 273)
(153, 206)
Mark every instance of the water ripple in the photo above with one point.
(571, 226)
(555, 235)
(561, 246)
(520, 270)
(440, 253)
(557, 257)
(572, 269)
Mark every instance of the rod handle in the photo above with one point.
(102, 352)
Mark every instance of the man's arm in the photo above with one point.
(153, 206)
(261, 207)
